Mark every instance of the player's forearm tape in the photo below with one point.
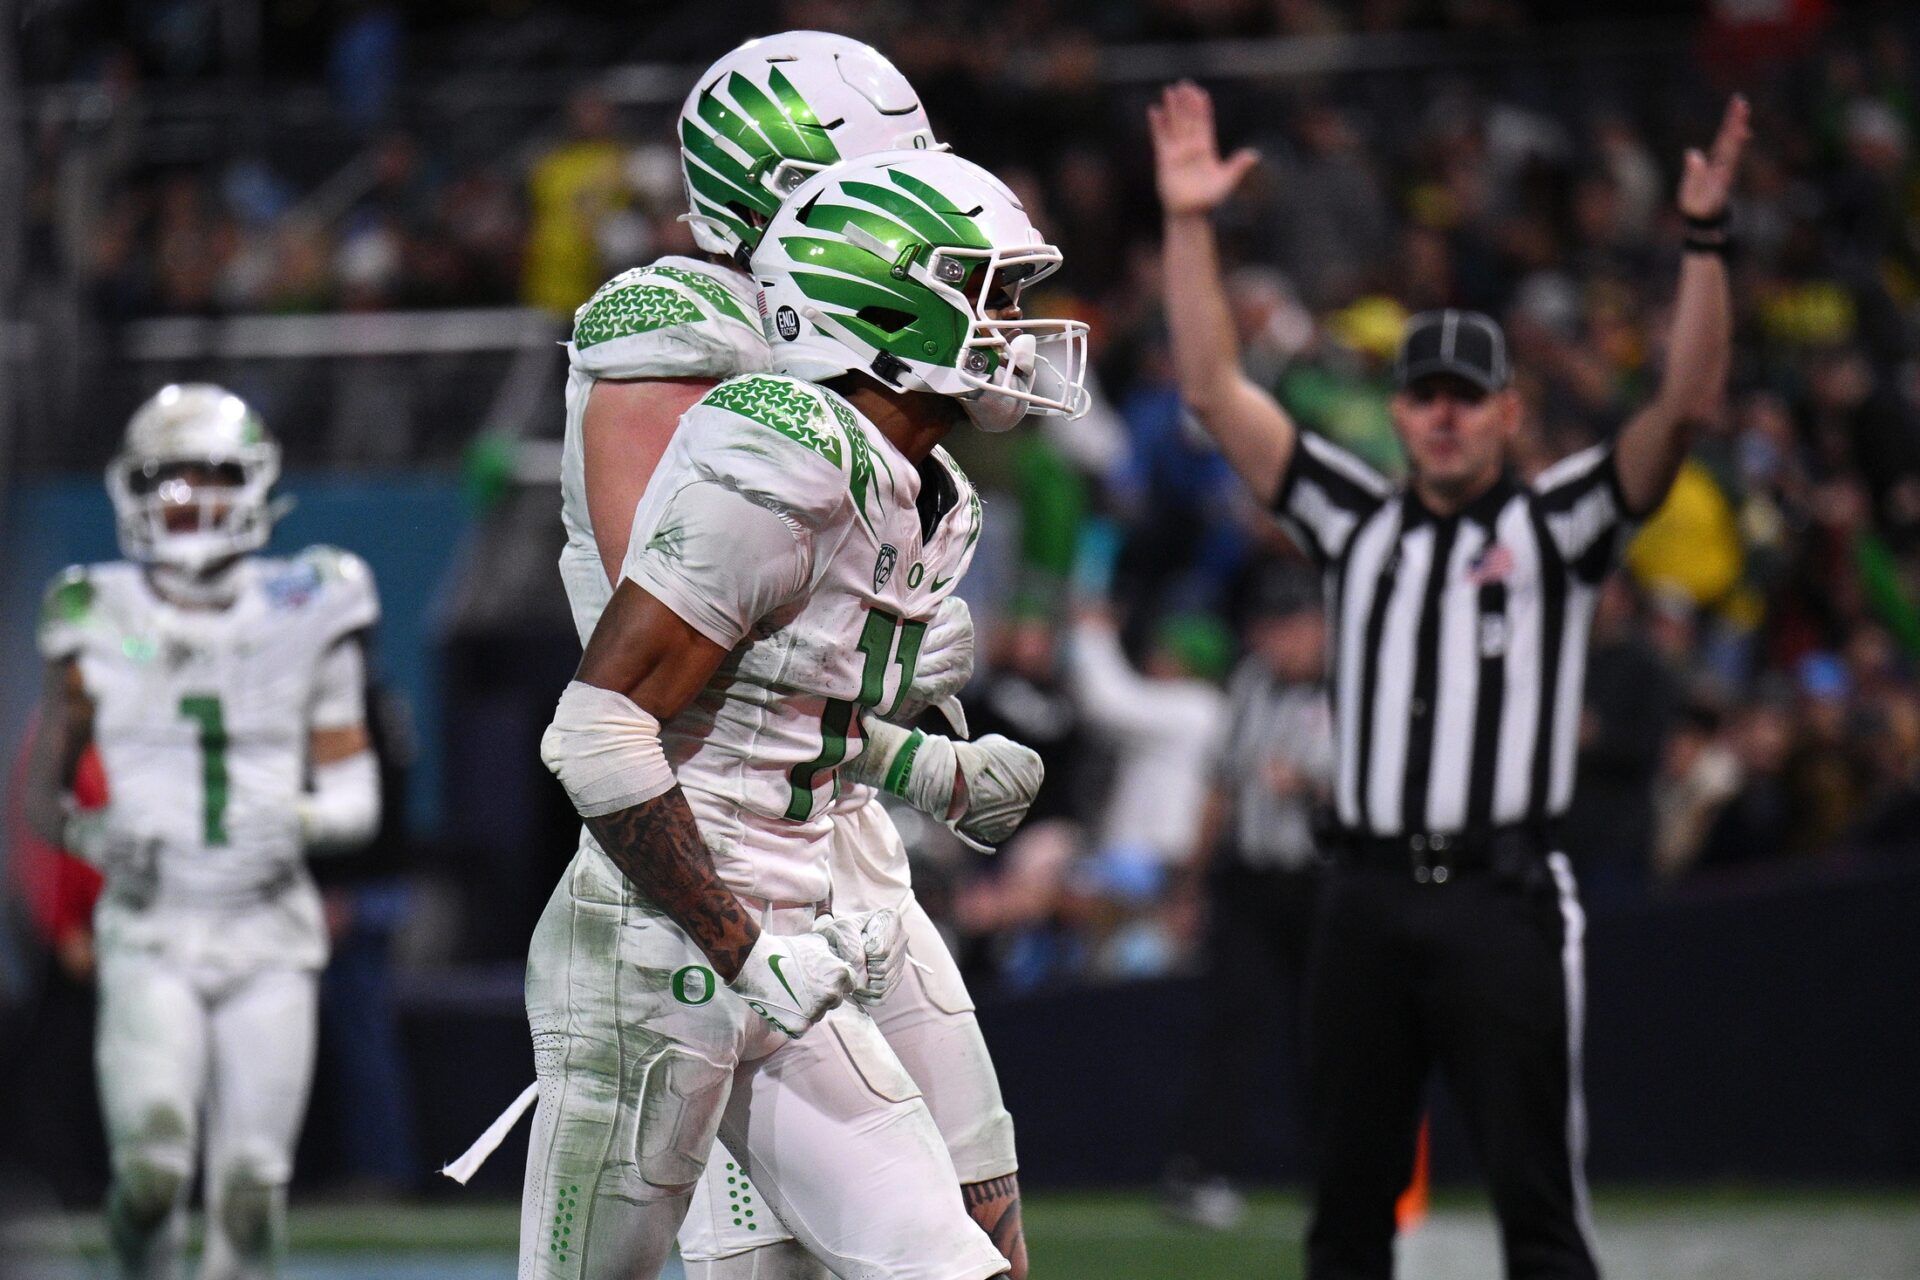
(343, 807)
(605, 750)
(918, 767)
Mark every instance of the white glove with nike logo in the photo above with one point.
(792, 979)
(1001, 778)
(873, 943)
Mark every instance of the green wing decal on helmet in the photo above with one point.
(789, 407)
(765, 131)
(790, 126)
(871, 296)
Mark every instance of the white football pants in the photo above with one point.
(186, 1053)
(928, 1022)
(644, 1057)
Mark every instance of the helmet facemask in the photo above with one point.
(1013, 366)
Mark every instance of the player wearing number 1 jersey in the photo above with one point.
(224, 694)
(771, 607)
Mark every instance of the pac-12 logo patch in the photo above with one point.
(787, 321)
(883, 565)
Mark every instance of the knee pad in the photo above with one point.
(680, 1105)
(982, 1147)
(251, 1188)
(145, 1189)
(151, 1166)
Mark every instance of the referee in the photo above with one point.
(1449, 931)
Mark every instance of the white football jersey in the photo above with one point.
(679, 318)
(785, 527)
(202, 719)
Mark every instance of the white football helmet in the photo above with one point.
(777, 109)
(895, 264)
(191, 484)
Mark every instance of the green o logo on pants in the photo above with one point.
(693, 984)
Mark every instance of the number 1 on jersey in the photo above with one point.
(205, 712)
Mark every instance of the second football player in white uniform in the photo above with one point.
(225, 695)
(768, 602)
(648, 344)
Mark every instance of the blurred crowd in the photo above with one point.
(1752, 703)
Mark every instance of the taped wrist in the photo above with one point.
(918, 767)
(605, 750)
(343, 806)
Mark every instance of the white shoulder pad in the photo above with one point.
(790, 444)
(336, 585)
(678, 318)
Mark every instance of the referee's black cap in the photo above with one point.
(1467, 344)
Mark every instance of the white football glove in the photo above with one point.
(1002, 778)
(127, 859)
(943, 667)
(791, 980)
(873, 943)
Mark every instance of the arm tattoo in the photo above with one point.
(995, 1205)
(657, 846)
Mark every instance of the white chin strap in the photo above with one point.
(990, 410)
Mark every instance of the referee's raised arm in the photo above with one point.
(1700, 339)
(1251, 428)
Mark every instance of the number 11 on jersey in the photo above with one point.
(884, 636)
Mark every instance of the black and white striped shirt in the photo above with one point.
(1459, 642)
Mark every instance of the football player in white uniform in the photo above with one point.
(780, 578)
(645, 347)
(224, 693)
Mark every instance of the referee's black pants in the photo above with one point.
(1480, 976)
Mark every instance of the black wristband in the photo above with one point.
(1721, 247)
(1717, 222)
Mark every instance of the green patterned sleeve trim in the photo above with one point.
(623, 310)
(712, 290)
(788, 407)
(861, 474)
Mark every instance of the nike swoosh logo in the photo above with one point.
(940, 582)
(773, 963)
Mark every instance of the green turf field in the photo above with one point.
(1721, 1234)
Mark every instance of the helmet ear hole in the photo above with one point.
(886, 319)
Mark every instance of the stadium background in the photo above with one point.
(374, 219)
